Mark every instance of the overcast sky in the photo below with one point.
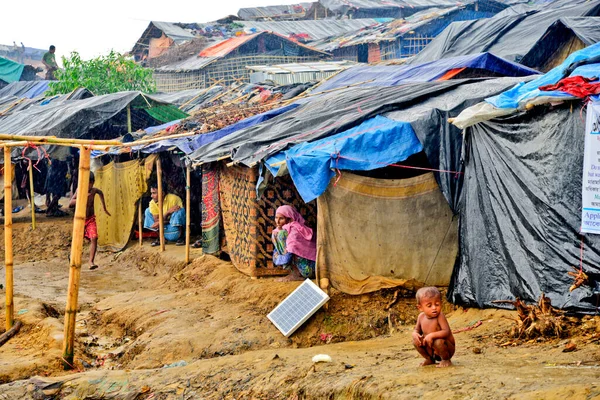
(93, 28)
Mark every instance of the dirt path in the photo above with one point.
(151, 327)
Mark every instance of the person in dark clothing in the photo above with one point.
(56, 187)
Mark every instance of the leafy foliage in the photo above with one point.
(102, 75)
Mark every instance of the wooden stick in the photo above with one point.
(129, 118)
(140, 224)
(200, 94)
(8, 245)
(10, 333)
(76, 252)
(55, 140)
(161, 222)
(187, 213)
(31, 195)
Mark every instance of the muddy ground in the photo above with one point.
(150, 327)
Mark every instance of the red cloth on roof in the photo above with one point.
(577, 86)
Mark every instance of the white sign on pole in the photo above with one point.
(590, 206)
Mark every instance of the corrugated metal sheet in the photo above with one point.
(285, 74)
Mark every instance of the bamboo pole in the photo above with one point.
(31, 195)
(76, 252)
(38, 143)
(188, 196)
(140, 223)
(55, 140)
(161, 222)
(129, 118)
(8, 246)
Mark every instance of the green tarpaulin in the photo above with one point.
(10, 71)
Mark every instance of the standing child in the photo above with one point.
(432, 336)
(91, 229)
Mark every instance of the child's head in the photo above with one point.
(92, 179)
(429, 301)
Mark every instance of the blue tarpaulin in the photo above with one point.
(376, 143)
(392, 75)
(524, 92)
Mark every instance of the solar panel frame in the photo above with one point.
(295, 309)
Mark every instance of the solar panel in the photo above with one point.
(299, 306)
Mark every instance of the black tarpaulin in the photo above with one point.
(561, 39)
(510, 36)
(521, 212)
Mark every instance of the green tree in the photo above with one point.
(102, 75)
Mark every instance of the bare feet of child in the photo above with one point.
(427, 362)
(444, 364)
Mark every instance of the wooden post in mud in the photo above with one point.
(161, 222)
(187, 213)
(8, 245)
(31, 195)
(76, 252)
(140, 224)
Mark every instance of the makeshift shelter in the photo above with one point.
(225, 63)
(507, 35)
(326, 115)
(404, 37)
(521, 213)
(99, 117)
(564, 37)
(157, 38)
(471, 66)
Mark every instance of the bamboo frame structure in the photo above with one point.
(31, 195)
(161, 222)
(187, 213)
(76, 253)
(8, 236)
(140, 223)
(55, 140)
(129, 118)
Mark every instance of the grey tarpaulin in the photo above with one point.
(99, 117)
(521, 212)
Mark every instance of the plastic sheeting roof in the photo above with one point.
(391, 75)
(71, 118)
(173, 31)
(273, 11)
(24, 89)
(510, 36)
(315, 29)
(221, 49)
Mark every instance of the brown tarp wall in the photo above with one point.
(382, 233)
(123, 184)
